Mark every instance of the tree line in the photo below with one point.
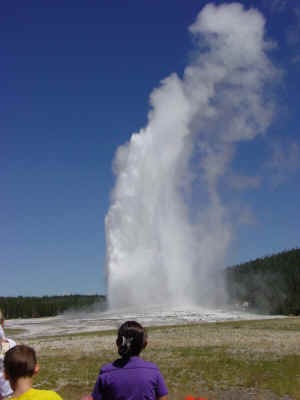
(47, 306)
(269, 284)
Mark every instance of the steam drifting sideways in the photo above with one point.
(167, 227)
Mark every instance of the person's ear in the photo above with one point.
(36, 369)
(145, 343)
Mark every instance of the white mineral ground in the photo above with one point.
(76, 322)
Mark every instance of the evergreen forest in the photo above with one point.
(269, 285)
(46, 306)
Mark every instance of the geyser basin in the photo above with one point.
(95, 321)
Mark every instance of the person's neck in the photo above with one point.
(22, 385)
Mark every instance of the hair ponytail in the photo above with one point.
(132, 339)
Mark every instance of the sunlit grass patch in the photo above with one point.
(70, 372)
(214, 369)
(232, 360)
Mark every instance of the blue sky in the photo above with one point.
(75, 83)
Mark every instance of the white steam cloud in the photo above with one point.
(167, 229)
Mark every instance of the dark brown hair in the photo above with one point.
(132, 339)
(20, 361)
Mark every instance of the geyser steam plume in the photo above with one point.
(167, 228)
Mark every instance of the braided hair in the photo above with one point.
(131, 340)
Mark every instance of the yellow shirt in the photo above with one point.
(35, 394)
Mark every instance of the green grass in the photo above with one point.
(12, 332)
(190, 369)
(218, 369)
(73, 376)
(276, 324)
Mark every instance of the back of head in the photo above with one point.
(20, 361)
(132, 339)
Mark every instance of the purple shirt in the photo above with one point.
(133, 379)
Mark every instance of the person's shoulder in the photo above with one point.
(51, 395)
(45, 395)
(139, 362)
(36, 394)
(123, 364)
(107, 368)
(11, 342)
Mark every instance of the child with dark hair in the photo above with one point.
(20, 365)
(130, 377)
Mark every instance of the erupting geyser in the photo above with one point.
(167, 227)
